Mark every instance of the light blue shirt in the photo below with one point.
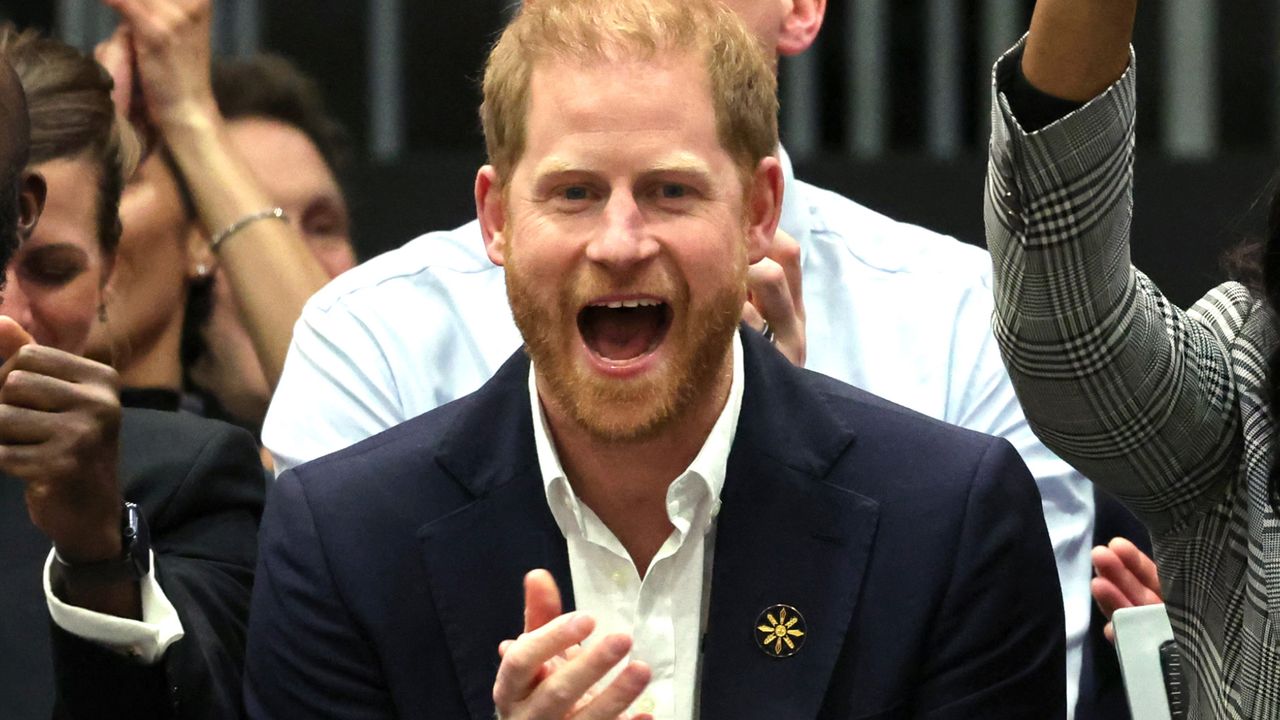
(892, 308)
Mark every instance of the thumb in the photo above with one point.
(541, 599)
(12, 337)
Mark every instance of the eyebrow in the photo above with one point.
(682, 162)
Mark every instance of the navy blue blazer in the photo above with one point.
(917, 552)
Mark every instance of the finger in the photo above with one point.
(1108, 597)
(23, 426)
(523, 662)
(1109, 632)
(562, 691)
(24, 389)
(752, 317)
(541, 599)
(768, 291)
(1109, 566)
(786, 252)
(12, 337)
(1138, 563)
(619, 694)
(55, 363)
(23, 461)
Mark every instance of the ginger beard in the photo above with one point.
(554, 322)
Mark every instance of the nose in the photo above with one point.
(14, 302)
(622, 241)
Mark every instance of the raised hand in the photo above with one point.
(774, 295)
(59, 425)
(546, 674)
(171, 50)
(1126, 577)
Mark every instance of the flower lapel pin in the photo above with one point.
(780, 631)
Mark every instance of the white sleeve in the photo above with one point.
(985, 401)
(336, 389)
(145, 640)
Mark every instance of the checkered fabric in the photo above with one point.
(1166, 409)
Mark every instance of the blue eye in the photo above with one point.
(672, 191)
(576, 192)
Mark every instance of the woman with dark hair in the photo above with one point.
(196, 207)
(1170, 411)
(152, 516)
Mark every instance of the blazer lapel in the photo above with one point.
(784, 536)
(476, 557)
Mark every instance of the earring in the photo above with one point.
(202, 270)
(102, 312)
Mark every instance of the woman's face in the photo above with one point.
(295, 176)
(147, 292)
(55, 283)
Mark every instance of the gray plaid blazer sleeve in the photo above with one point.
(1136, 393)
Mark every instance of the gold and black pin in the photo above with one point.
(780, 631)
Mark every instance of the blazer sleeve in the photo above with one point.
(203, 515)
(306, 656)
(998, 648)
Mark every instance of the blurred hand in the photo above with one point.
(1126, 577)
(774, 294)
(546, 674)
(170, 51)
(59, 430)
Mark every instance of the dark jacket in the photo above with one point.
(916, 552)
(200, 486)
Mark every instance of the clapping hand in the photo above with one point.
(546, 673)
(774, 295)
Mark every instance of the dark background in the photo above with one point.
(1188, 212)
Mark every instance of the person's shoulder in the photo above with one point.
(414, 267)
(882, 244)
(391, 463)
(900, 453)
(160, 434)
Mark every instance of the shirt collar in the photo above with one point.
(693, 498)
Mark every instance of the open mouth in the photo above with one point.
(623, 330)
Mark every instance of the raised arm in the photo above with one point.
(269, 267)
(1077, 48)
(1134, 392)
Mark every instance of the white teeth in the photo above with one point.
(629, 304)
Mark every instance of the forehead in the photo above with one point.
(281, 156)
(660, 104)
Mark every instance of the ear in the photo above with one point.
(199, 254)
(764, 207)
(800, 26)
(30, 202)
(492, 212)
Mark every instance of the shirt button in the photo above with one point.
(645, 704)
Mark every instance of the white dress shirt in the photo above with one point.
(144, 640)
(892, 308)
(663, 612)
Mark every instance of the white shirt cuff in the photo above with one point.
(145, 640)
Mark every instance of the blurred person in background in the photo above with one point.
(152, 515)
(196, 208)
(277, 122)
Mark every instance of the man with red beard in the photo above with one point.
(731, 536)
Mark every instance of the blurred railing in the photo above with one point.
(844, 97)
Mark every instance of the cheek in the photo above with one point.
(65, 316)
